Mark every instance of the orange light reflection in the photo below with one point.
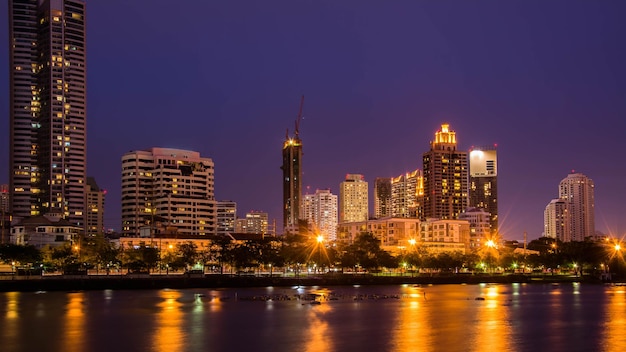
(495, 330)
(74, 330)
(615, 322)
(168, 335)
(317, 334)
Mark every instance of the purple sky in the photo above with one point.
(545, 80)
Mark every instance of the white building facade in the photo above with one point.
(171, 186)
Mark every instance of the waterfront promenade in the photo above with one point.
(157, 281)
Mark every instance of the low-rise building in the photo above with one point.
(44, 230)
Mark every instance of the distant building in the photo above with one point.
(480, 226)
(95, 198)
(44, 230)
(555, 224)
(226, 216)
(445, 235)
(382, 197)
(256, 222)
(5, 215)
(47, 108)
(173, 186)
(407, 194)
(445, 177)
(577, 190)
(292, 180)
(320, 211)
(483, 182)
(353, 200)
(394, 233)
(4, 199)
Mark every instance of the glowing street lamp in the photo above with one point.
(490, 244)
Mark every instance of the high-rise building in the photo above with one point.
(95, 198)
(226, 216)
(407, 193)
(292, 178)
(577, 190)
(382, 197)
(353, 200)
(256, 222)
(171, 186)
(483, 182)
(320, 211)
(47, 58)
(445, 177)
(555, 224)
(5, 217)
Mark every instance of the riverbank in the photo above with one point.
(134, 282)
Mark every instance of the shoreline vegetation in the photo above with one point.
(215, 281)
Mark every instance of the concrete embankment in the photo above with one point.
(133, 282)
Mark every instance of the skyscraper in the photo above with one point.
(320, 211)
(577, 190)
(445, 177)
(407, 192)
(47, 58)
(171, 186)
(382, 197)
(483, 182)
(353, 200)
(292, 177)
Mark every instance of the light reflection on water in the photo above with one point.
(168, 334)
(74, 329)
(615, 321)
(517, 317)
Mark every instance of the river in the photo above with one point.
(485, 317)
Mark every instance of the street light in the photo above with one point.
(320, 240)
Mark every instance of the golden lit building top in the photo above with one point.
(444, 138)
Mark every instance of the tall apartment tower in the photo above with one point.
(353, 200)
(555, 224)
(47, 57)
(94, 216)
(445, 177)
(171, 186)
(382, 197)
(226, 216)
(407, 192)
(292, 177)
(577, 190)
(483, 183)
(320, 211)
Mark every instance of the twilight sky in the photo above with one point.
(545, 80)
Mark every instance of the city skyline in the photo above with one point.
(544, 81)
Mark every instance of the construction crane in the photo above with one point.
(299, 117)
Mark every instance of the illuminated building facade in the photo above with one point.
(382, 197)
(47, 57)
(555, 224)
(480, 226)
(320, 212)
(256, 222)
(445, 177)
(407, 193)
(226, 216)
(577, 191)
(445, 235)
(353, 200)
(394, 233)
(292, 182)
(95, 198)
(483, 183)
(171, 186)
